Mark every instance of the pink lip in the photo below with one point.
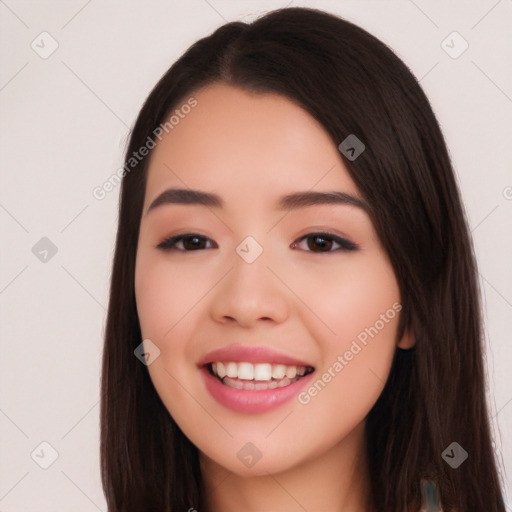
(251, 401)
(239, 354)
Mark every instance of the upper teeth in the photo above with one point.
(260, 371)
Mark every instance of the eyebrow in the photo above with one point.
(288, 202)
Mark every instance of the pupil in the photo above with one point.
(193, 241)
(320, 241)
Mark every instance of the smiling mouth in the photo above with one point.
(260, 376)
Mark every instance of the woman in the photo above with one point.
(293, 272)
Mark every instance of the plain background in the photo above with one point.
(64, 124)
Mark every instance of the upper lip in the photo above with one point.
(240, 353)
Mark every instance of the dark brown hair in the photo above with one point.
(351, 83)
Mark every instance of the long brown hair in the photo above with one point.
(351, 83)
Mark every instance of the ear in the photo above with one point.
(407, 340)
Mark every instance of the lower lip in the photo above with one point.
(252, 400)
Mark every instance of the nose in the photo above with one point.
(250, 293)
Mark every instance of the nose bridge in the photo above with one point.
(250, 291)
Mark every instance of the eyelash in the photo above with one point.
(345, 245)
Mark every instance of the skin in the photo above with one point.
(251, 150)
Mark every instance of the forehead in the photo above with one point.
(247, 147)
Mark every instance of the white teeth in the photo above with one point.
(236, 384)
(251, 384)
(291, 372)
(232, 370)
(221, 370)
(245, 371)
(260, 372)
(278, 371)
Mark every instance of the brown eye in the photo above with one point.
(324, 242)
(188, 241)
(316, 242)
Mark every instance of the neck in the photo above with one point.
(334, 481)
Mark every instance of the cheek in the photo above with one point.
(165, 298)
(164, 295)
(355, 366)
(346, 296)
(358, 307)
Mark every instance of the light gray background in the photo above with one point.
(64, 124)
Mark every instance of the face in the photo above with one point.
(294, 303)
